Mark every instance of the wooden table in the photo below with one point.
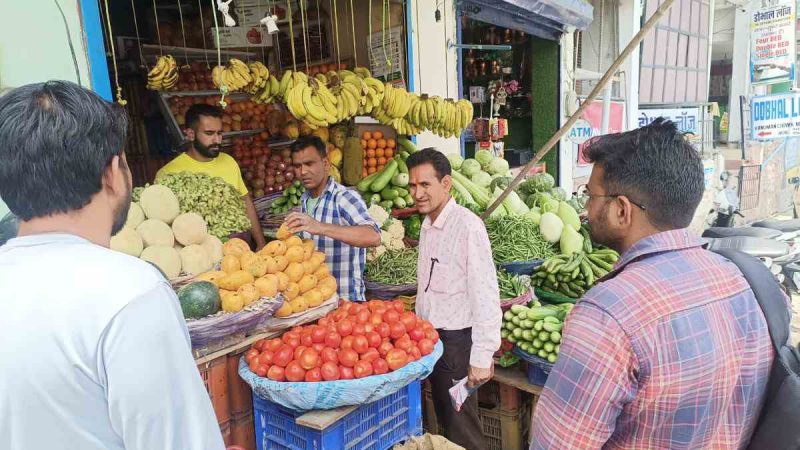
(515, 378)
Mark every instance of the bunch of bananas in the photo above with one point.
(350, 91)
(396, 101)
(234, 77)
(311, 101)
(426, 111)
(455, 117)
(260, 75)
(164, 75)
(268, 93)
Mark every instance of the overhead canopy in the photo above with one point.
(546, 19)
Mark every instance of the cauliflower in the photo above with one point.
(378, 214)
(396, 230)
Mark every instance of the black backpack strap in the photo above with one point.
(768, 293)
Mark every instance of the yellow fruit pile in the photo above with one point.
(289, 265)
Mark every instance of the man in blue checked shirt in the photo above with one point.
(334, 216)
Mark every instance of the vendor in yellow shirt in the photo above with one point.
(204, 132)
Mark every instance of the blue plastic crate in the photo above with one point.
(375, 426)
(538, 368)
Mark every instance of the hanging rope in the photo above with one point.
(183, 34)
(291, 34)
(222, 89)
(260, 30)
(336, 28)
(391, 48)
(353, 31)
(120, 100)
(202, 27)
(305, 34)
(319, 32)
(104, 27)
(384, 7)
(403, 30)
(158, 30)
(138, 38)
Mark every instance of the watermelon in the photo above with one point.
(199, 299)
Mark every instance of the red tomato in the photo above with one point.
(409, 320)
(290, 335)
(383, 329)
(318, 347)
(346, 373)
(294, 372)
(433, 335)
(306, 340)
(265, 358)
(360, 344)
(339, 315)
(399, 306)
(298, 351)
(375, 319)
(425, 346)
(397, 330)
(359, 329)
(347, 342)
(346, 306)
(363, 316)
(374, 339)
(273, 345)
(356, 309)
(325, 321)
(396, 358)
(368, 328)
(283, 356)
(374, 305)
(318, 334)
(276, 373)
(362, 369)
(426, 325)
(416, 334)
(391, 316)
(348, 357)
(404, 344)
(329, 355)
(257, 345)
(293, 342)
(314, 375)
(253, 365)
(333, 340)
(250, 354)
(384, 348)
(330, 371)
(308, 359)
(370, 355)
(262, 370)
(345, 327)
(415, 353)
(380, 366)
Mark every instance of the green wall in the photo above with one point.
(544, 87)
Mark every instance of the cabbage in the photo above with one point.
(482, 179)
(484, 157)
(470, 167)
(559, 193)
(534, 215)
(543, 181)
(455, 161)
(538, 199)
(497, 166)
(499, 181)
(550, 206)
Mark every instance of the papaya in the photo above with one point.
(322, 272)
(275, 248)
(232, 303)
(292, 291)
(295, 271)
(281, 263)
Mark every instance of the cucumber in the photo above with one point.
(389, 193)
(528, 323)
(539, 325)
(504, 333)
(382, 180)
(280, 201)
(540, 313)
(508, 316)
(401, 164)
(512, 339)
(542, 354)
(549, 347)
(551, 319)
(544, 336)
(386, 204)
(537, 344)
(517, 309)
(526, 347)
(527, 335)
(400, 202)
(363, 185)
(552, 326)
(404, 155)
(409, 200)
(558, 349)
(555, 337)
(516, 320)
(510, 326)
(375, 198)
(551, 358)
(401, 192)
(517, 332)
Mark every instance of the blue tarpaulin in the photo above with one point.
(542, 18)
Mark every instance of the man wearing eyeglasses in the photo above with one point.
(670, 349)
(457, 292)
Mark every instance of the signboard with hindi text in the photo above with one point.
(688, 121)
(772, 42)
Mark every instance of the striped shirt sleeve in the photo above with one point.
(592, 380)
(354, 210)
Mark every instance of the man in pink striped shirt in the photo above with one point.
(457, 292)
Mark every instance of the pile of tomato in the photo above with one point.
(355, 341)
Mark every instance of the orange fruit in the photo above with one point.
(364, 172)
(381, 161)
(371, 153)
(381, 143)
(391, 143)
(379, 153)
(372, 162)
(366, 136)
(388, 153)
(372, 143)
(377, 135)
(363, 143)
(364, 162)
(371, 170)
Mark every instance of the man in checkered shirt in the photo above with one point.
(334, 216)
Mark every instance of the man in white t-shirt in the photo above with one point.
(95, 353)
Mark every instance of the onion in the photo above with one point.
(280, 179)
(282, 167)
(258, 193)
(269, 181)
(289, 175)
(258, 183)
(276, 158)
(287, 154)
(270, 189)
(263, 160)
(273, 165)
(279, 188)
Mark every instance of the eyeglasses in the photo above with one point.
(583, 190)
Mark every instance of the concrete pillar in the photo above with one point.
(740, 78)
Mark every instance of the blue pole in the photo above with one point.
(95, 48)
(461, 141)
(410, 53)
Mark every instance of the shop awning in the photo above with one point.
(542, 18)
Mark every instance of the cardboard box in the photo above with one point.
(251, 15)
(241, 37)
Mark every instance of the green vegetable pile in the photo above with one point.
(413, 225)
(512, 286)
(393, 267)
(290, 198)
(575, 274)
(218, 202)
(537, 329)
(389, 186)
(515, 238)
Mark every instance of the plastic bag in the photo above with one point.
(333, 394)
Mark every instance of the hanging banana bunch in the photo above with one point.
(164, 75)
(234, 77)
(311, 101)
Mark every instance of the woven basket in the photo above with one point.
(213, 328)
(507, 303)
(389, 291)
